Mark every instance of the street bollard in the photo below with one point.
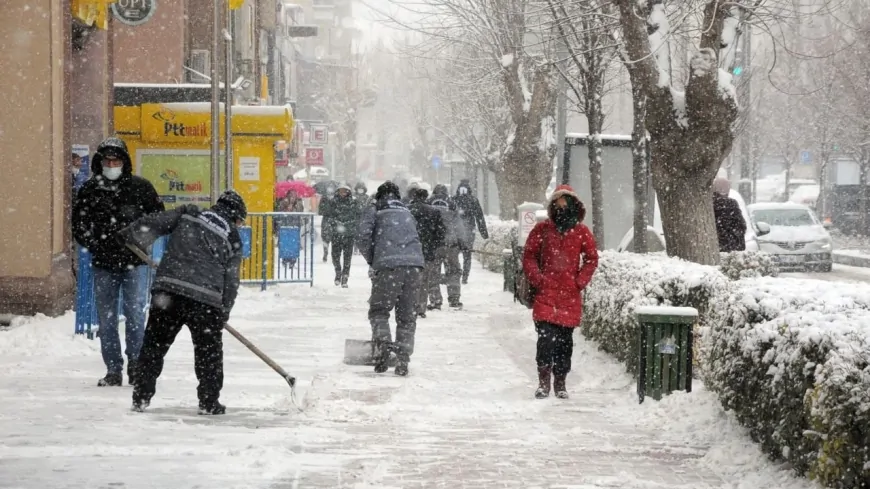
(508, 269)
(665, 342)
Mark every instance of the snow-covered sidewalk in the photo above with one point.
(465, 417)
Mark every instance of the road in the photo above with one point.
(840, 273)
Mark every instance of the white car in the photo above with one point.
(797, 238)
(656, 236)
(317, 173)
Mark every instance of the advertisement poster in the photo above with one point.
(180, 179)
(84, 153)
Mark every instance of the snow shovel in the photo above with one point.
(256, 351)
(361, 352)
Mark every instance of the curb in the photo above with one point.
(851, 260)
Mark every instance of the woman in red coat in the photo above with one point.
(559, 259)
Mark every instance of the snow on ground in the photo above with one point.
(465, 417)
(839, 273)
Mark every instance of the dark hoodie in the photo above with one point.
(469, 209)
(457, 233)
(363, 198)
(430, 225)
(103, 207)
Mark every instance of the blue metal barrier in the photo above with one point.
(278, 248)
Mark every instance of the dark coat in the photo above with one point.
(323, 209)
(560, 265)
(103, 207)
(730, 225)
(430, 227)
(470, 211)
(343, 214)
(203, 254)
(387, 236)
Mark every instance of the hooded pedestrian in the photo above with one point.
(472, 214)
(109, 201)
(389, 242)
(559, 260)
(343, 216)
(361, 194)
(432, 231)
(291, 203)
(455, 239)
(196, 285)
(323, 209)
(730, 225)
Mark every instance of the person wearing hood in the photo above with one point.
(559, 260)
(730, 225)
(196, 285)
(412, 190)
(361, 194)
(389, 242)
(472, 214)
(291, 203)
(323, 208)
(342, 217)
(109, 201)
(432, 231)
(455, 238)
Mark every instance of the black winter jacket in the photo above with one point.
(103, 207)
(343, 214)
(730, 225)
(430, 227)
(470, 210)
(202, 257)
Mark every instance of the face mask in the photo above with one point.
(113, 173)
(361, 191)
(76, 171)
(463, 191)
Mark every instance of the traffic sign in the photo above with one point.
(436, 162)
(319, 134)
(806, 157)
(314, 156)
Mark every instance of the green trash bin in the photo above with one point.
(665, 350)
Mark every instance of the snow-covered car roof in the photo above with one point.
(770, 206)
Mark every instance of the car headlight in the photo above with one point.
(825, 243)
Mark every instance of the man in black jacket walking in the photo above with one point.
(109, 201)
(342, 217)
(469, 209)
(196, 284)
(432, 231)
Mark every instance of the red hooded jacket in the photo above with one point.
(560, 265)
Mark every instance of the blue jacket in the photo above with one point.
(387, 236)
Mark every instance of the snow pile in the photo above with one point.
(747, 264)
(626, 281)
(790, 359)
(502, 236)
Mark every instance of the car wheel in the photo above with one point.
(826, 267)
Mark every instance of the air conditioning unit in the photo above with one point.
(200, 60)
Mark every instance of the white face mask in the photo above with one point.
(76, 171)
(113, 173)
(463, 191)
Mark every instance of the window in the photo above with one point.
(785, 217)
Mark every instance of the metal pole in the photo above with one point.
(228, 103)
(562, 176)
(215, 103)
(745, 187)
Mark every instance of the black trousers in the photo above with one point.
(555, 347)
(466, 264)
(342, 246)
(169, 312)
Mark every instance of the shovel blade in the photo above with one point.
(361, 352)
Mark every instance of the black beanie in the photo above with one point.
(386, 189)
(233, 204)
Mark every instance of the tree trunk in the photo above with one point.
(686, 204)
(639, 171)
(595, 119)
(507, 210)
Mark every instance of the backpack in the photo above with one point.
(524, 292)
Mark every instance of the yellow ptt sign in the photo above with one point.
(92, 12)
(236, 4)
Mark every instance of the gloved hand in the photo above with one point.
(484, 234)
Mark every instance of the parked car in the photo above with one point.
(656, 236)
(797, 238)
(318, 173)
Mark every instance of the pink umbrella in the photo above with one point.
(302, 189)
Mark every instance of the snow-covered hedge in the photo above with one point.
(791, 358)
(501, 236)
(746, 264)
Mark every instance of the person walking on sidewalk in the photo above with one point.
(361, 194)
(389, 242)
(559, 260)
(472, 214)
(290, 203)
(196, 284)
(323, 208)
(431, 228)
(343, 216)
(109, 201)
(455, 238)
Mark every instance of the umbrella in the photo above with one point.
(302, 189)
(320, 187)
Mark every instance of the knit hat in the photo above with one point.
(388, 189)
(233, 205)
(722, 186)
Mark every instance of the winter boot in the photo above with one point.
(434, 307)
(455, 304)
(559, 386)
(382, 358)
(543, 383)
(212, 408)
(337, 279)
(111, 380)
(131, 372)
(344, 278)
(421, 315)
(401, 369)
(139, 405)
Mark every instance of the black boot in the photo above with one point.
(401, 369)
(337, 278)
(131, 372)
(344, 278)
(434, 307)
(212, 408)
(111, 380)
(559, 386)
(139, 405)
(455, 304)
(382, 358)
(543, 390)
